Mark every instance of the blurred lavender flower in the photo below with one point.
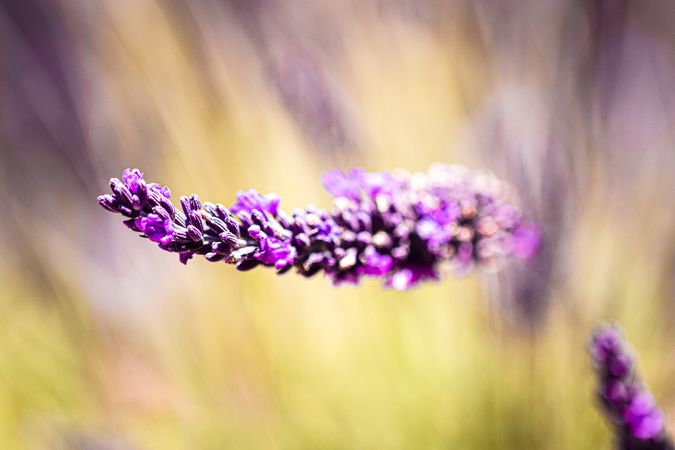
(626, 400)
(399, 226)
(251, 199)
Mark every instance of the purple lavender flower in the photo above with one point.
(340, 184)
(400, 226)
(626, 400)
(272, 250)
(251, 200)
(156, 228)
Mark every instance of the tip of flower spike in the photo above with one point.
(132, 178)
(131, 173)
(607, 340)
(107, 202)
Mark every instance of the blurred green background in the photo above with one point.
(107, 343)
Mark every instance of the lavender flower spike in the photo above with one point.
(626, 400)
(400, 226)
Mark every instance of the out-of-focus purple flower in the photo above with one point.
(409, 276)
(626, 400)
(643, 417)
(434, 232)
(526, 239)
(341, 184)
(422, 221)
(251, 200)
(400, 226)
(376, 264)
(357, 181)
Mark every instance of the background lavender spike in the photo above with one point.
(400, 226)
(626, 400)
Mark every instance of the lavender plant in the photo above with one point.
(638, 421)
(400, 226)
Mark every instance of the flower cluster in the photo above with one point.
(627, 402)
(400, 226)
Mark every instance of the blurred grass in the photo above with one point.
(253, 361)
(117, 342)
